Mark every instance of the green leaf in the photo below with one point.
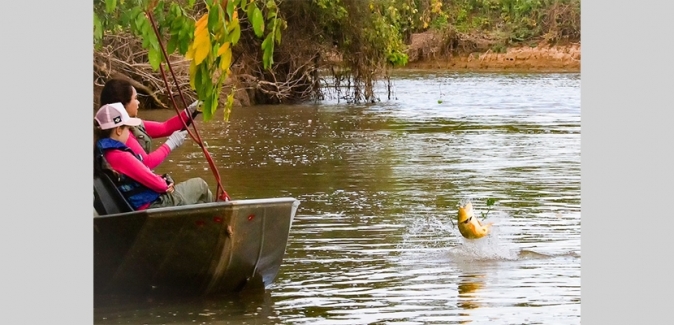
(154, 57)
(267, 56)
(206, 83)
(174, 10)
(214, 19)
(154, 42)
(214, 103)
(198, 84)
(206, 109)
(98, 28)
(230, 9)
(271, 15)
(258, 22)
(249, 10)
(172, 44)
(184, 45)
(236, 33)
(140, 19)
(190, 3)
(278, 32)
(265, 43)
(183, 31)
(147, 29)
(176, 25)
(130, 16)
(158, 12)
(491, 201)
(110, 5)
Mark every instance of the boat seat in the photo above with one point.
(107, 197)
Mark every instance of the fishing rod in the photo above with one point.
(196, 137)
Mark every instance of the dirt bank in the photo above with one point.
(541, 59)
(424, 52)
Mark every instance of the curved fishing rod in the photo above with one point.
(220, 196)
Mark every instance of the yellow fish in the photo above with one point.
(469, 226)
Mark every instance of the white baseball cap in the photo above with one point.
(113, 115)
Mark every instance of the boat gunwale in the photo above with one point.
(203, 206)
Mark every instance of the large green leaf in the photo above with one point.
(206, 110)
(230, 9)
(110, 5)
(184, 45)
(198, 84)
(265, 43)
(98, 28)
(249, 10)
(154, 56)
(258, 22)
(140, 19)
(268, 48)
(214, 103)
(214, 19)
(277, 36)
(236, 32)
(202, 82)
(154, 42)
(172, 44)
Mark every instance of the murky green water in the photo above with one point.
(372, 242)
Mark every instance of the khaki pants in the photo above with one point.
(192, 191)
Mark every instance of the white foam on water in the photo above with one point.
(429, 232)
(426, 231)
(494, 246)
(431, 235)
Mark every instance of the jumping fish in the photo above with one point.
(469, 226)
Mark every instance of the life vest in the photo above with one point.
(135, 193)
(141, 135)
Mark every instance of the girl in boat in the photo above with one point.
(140, 140)
(141, 187)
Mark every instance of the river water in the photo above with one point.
(379, 183)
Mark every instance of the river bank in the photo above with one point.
(537, 59)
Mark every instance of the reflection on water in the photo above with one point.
(235, 308)
(372, 242)
(469, 286)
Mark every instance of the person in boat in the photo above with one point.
(141, 187)
(119, 90)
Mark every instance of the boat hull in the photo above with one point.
(201, 249)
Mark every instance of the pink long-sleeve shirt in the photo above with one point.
(125, 163)
(157, 130)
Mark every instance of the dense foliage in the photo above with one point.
(345, 44)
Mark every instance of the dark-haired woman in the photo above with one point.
(140, 141)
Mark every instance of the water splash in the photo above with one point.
(494, 246)
(431, 231)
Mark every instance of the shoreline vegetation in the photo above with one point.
(358, 42)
